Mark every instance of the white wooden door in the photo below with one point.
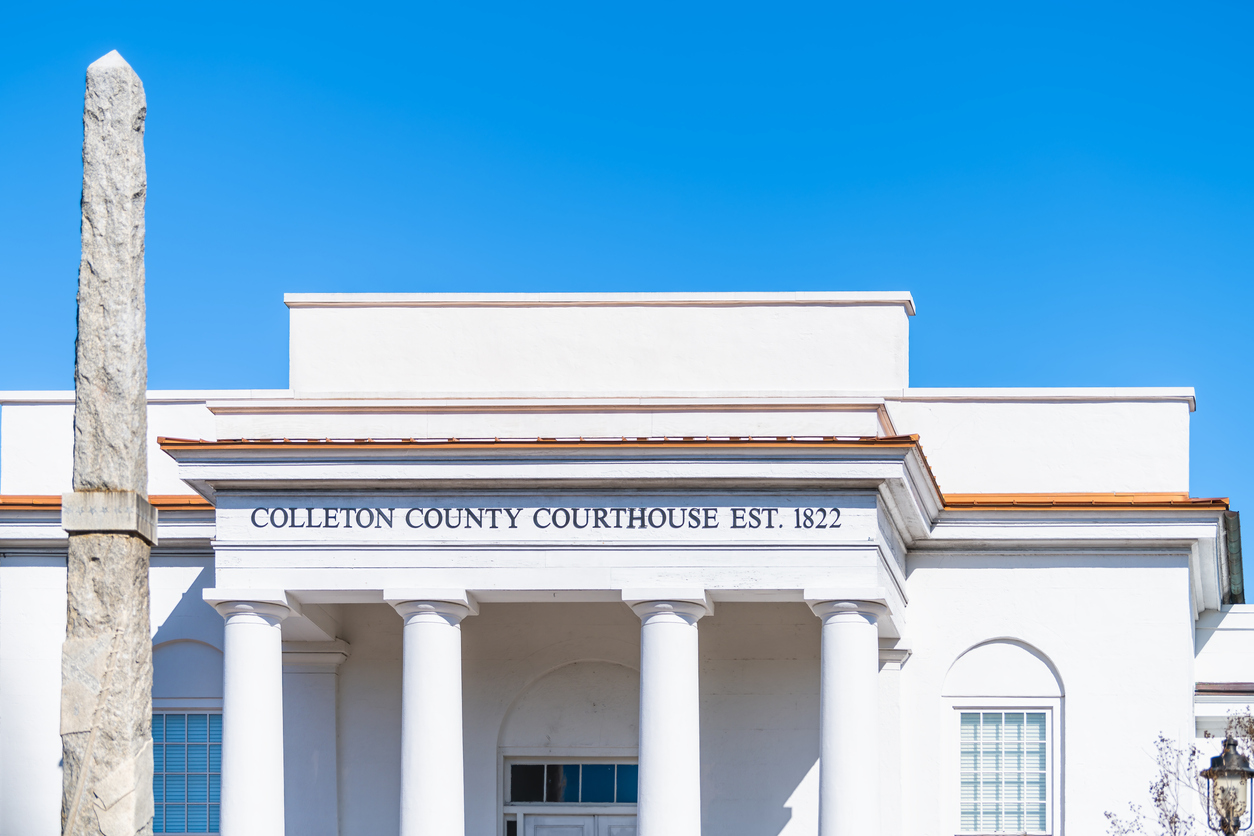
(560, 826)
(616, 826)
(579, 826)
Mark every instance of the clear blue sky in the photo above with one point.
(1067, 189)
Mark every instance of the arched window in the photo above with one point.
(187, 737)
(569, 753)
(1004, 712)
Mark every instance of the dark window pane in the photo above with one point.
(511, 828)
(570, 783)
(176, 728)
(213, 818)
(158, 758)
(158, 726)
(628, 777)
(175, 789)
(526, 782)
(553, 783)
(598, 783)
(158, 819)
(215, 757)
(561, 783)
(175, 758)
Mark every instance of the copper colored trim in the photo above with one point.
(1225, 688)
(162, 502)
(1074, 501)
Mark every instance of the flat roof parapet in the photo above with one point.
(523, 300)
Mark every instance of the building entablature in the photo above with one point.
(745, 519)
(630, 505)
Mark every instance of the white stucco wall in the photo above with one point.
(310, 737)
(1118, 630)
(32, 628)
(760, 720)
(586, 344)
(1225, 645)
(416, 420)
(1002, 444)
(37, 445)
(369, 722)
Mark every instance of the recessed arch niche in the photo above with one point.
(186, 669)
(591, 706)
(1003, 668)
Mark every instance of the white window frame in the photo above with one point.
(951, 770)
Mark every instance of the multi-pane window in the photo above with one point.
(573, 783)
(186, 772)
(1004, 772)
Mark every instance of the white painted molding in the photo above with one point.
(824, 608)
(588, 300)
(314, 657)
(644, 601)
(894, 658)
(14, 397)
(1061, 393)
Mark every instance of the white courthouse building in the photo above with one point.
(666, 564)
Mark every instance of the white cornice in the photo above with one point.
(239, 400)
(44, 526)
(155, 396)
(1094, 394)
(581, 300)
(730, 402)
(898, 470)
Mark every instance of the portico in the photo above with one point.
(816, 532)
(432, 796)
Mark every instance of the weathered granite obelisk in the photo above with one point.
(106, 662)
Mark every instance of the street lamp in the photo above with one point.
(1228, 782)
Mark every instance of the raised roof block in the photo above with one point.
(597, 343)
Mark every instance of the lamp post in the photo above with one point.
(1228, 784)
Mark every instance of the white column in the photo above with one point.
(252, 718)
(849, 801)
(670, 719)
(432, 791)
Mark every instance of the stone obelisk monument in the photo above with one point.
(106, 662)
